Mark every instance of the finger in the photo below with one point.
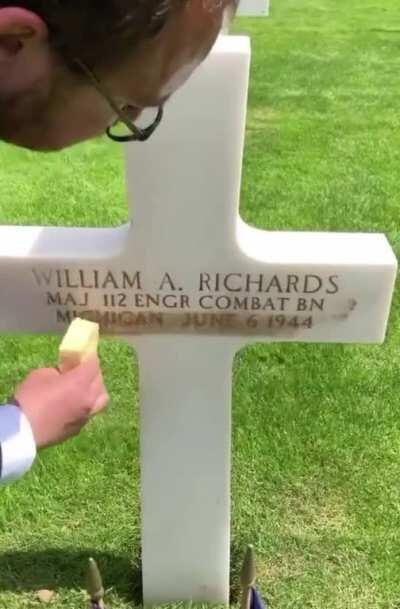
(46, 373)
(75, 428)
(100, 403)
(40, 374)
(97, 386)
(85, 372)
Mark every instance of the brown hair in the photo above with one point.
(99, 32)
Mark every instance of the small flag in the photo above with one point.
(256, 602)
(94, 585)
(251, 599)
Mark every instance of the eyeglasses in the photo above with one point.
(137, 134)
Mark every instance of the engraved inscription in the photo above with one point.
(126, 302)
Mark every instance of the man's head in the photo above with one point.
(140, 50)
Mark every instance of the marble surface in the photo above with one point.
(253, 8)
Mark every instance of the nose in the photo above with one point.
(132, 112)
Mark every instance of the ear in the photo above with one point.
(19, 28)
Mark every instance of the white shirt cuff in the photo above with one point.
(17, 444)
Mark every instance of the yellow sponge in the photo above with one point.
(79, 342)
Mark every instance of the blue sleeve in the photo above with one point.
(17, 444)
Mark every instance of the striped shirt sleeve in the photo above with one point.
(17, 444)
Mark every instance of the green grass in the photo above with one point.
(316, 476)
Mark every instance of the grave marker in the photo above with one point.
(253, 8)
(188, 283)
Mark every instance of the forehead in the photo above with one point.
(162, 64)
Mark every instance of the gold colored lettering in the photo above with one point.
(335, 287)
(109, 279)
(292, 282)
(274, 283)
(227, 279)
(131, 281)
(309, 279)
(250, 281)
(166, 280)
(170, 301)
(42, 277)
(283, 300)
(202, 300)
(205, 279)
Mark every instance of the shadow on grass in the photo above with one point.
(56, 569)
(65, 569)
(238, 550)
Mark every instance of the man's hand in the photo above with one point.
(59, 405)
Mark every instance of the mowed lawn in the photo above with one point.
(316, 433)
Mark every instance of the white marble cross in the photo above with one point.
(253, 8)
(188, 283)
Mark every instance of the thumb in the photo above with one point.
(85, 372)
